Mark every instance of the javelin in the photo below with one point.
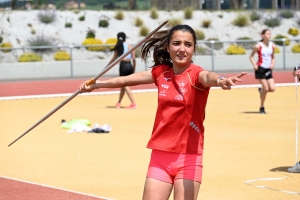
(91, 81)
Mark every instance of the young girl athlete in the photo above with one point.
(126, 68)
(264, 66)
(178, 134)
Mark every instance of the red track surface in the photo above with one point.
(16, 190)
(71, 85)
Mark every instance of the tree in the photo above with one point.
(236, 4)
(13, 4)
(132, 4)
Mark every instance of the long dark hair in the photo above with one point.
(263, 32)
(119, 46)
(159, 41)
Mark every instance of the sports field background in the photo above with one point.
(240, 145)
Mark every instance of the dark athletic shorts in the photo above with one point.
(263, 73)
(126, 68)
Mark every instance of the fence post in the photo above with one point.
(71, 60)
(283, 49)
(212, 42)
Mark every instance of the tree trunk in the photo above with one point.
(154, 3)
(132, 5)
(13, 4)
(274, 4)
(218, 4)
(78, 2)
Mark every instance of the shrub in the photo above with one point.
(32, 31)
(287, 14)
(47, 16)
(276, 50)
(41, 40)
(217, 45)
(246, 45)
(235, 50)
(254, 16)
(293, 31)
(144, 31)
(173, 22)
(81, 18)
(138, 22)
(188, 13)
(203, 51)
(119, 15)
(103, 23)
(93, 41)
(62, 55)
(153, 13)
(280, 43)
(296, 48)
(111, 42)
(6, 45)
(1, 39)
(8, 19)
(68, 25)
(272, 22)
(241, 20)
(206, 23)
(90, 33)
(220, 15)
(199, 34)
(29, 25)
(29, 57)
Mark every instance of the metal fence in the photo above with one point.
(211, 55)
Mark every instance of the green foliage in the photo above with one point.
(280, 43)
(6, 45)
(217, 45)
(153, 13)
(246, 45)
(293, 31)
(241, 21)
(111, 42)
(8, 19)
(29, 25)
(173, 22)
(138, 22)
(47, 16)
(144, 31)
(119, 15)
(103, 23)
(235, 50)
(93, 41)
(62, 55)
(68, 25)
(272, 22)
(254, 16)
(203, 51)
(286, 14)
(206, 23)
(1, 39)
(29, 57)
(90, 33)
(32, 31)
(41, 40)
(199, 34)
(296, 48)
(188, 13)
(220, 15)
(81, 18)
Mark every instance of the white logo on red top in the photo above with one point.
(194, 126)
(181, 83)
(164, 86)
(166, 78)
(162, 93)
(179, 97)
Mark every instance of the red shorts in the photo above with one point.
(168, 166)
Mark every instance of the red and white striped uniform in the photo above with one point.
(265, 55)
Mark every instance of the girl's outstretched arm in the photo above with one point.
(122, 81)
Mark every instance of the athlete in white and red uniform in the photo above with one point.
(264, 66)
(178, 133)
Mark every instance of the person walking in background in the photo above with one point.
(126, 67)
(177, 139)
(264, 66)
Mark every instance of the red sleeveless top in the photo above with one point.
(180, 114)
